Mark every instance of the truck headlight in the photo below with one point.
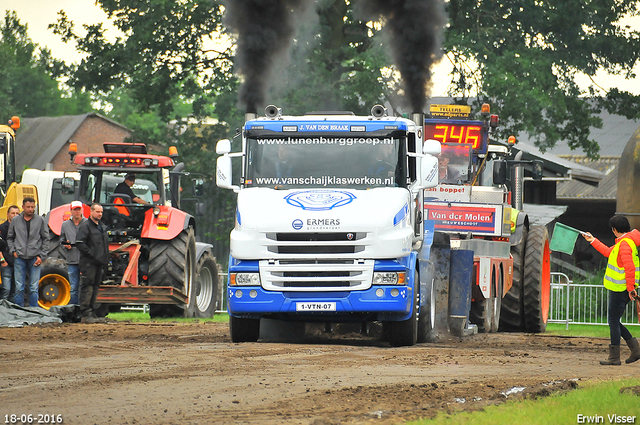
(389, 278)
(244, 279)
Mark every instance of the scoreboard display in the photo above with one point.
(457, 131)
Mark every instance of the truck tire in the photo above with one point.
(204, 291)
(172, 263)
(54, 288)
(512, 314)
(405, 332)
(537, 280)
(244, 330)
(427, 317)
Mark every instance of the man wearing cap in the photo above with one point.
(125, 189)
(68, 241)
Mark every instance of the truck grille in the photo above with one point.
(316, 243)
(316, 275)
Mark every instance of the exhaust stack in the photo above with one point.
(250, 115)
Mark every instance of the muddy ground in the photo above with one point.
(126, 373)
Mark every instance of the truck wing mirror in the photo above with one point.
(499, 172)
(429, 171)
(431, 147)
(223, 146)
(224, 173)
(536, 170)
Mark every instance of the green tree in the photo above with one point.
(523, 56)
(30, 76)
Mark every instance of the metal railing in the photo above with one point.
(582, 304)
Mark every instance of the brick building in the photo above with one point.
(43, 142)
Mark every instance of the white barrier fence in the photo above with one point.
(582, 304)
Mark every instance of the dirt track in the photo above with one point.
(123, 373)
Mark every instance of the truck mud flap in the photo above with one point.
(140, 295)
(441, 257)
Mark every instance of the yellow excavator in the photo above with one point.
(12, 193)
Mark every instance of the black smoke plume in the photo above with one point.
(265, 30)
(416, 28)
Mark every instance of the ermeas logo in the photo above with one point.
(319, 200)
(297, 224)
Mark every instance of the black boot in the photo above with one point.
(614, 356)
(635, 350)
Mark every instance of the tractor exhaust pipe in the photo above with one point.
(418, 118)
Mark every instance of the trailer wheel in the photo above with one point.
(172, 263)
(244, 330)
(54, 287)
(427, 317)
(512, 314)
(481, 313)
(537, 280)
(204, 291)
(405, 332)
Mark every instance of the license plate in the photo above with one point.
(315, 306)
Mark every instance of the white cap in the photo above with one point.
(76, 204)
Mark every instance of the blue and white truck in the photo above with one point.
(332, 226)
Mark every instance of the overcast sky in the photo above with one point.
(38, 14)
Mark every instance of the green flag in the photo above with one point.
(564, 238)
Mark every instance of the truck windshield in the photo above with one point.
(317, 162)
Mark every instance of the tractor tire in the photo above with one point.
(512, 314)
(204, 292)
(405, 333)
(172, 263)
(537, 280)
(244, 330)
(54, 287)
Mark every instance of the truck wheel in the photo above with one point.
(512, 314)
(54, 287)
(204, 292)
(427, 317)
(244, 330)
(172, 263)
(405, 332)
(482, 312)
(497, 303)
(537, 280)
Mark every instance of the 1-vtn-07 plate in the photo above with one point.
(311, 306)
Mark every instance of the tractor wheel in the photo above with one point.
(405, 332)
(244, 330)
(537, 280)
(54, 288)
(204, 293)
(172, 263)
(512, 314)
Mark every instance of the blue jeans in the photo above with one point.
(617, 303)
(5, 286)
(22, 268)
(74, 281)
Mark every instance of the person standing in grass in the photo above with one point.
(621, 279)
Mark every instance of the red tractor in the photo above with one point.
(156, 259)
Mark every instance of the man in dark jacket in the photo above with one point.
(93, 244)
(8, 288)
(28, 241)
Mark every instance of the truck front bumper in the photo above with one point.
(385, 302)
